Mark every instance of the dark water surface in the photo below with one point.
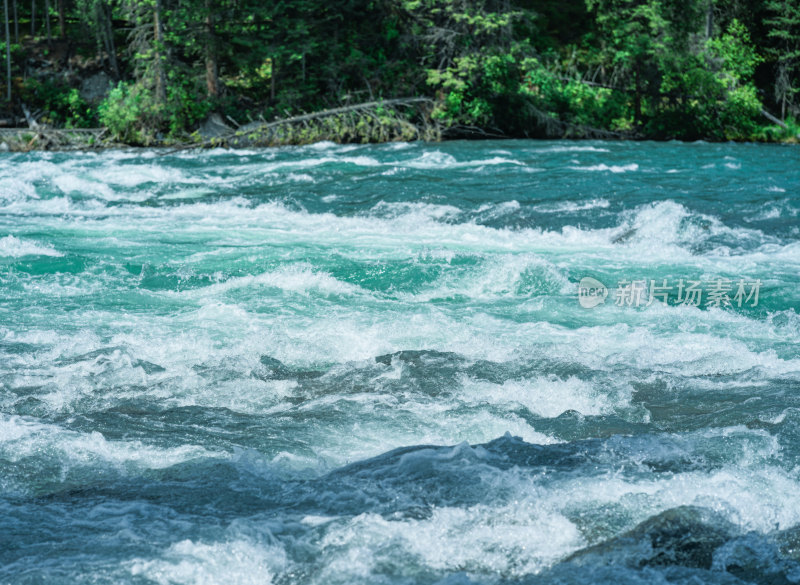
(369, 364)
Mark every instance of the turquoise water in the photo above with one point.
(370, 364)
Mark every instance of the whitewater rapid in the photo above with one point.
(369, 363)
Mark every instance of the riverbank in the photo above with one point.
(404, 120)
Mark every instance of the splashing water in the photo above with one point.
(369, 364)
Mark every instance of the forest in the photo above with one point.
(156, 71)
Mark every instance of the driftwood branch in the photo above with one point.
(773, 119)
(240, 134)
(343, 110)
(32, 123)
(43, 138)
(462, 130)
(555, 128)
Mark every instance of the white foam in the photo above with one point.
(196, 193)
(300, 178)
(219, 151)
(503, 207)
(21, 437)
(298, 278)
(440, 160)
(408, 211)
(399, 145)
(131, 176)
(322, 145)
(682, 352)
(416, 225)
(325, 146)
(432, 160)
(73, 184)
(546, 396)
(571, 206)
(16, 189)
(511, 275)
(510, 541)
(610, 168)
(576, 149)
(737, 491)
(418, 422)
(238, 561)
(13, 247)
(662, 222)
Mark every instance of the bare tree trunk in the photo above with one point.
(62, 20)
(783, 86)
(212, 76)
(212, 68)
(33, 18)
(709, 19)
(272, 70)
(47, 19)
(105, 36)
(99, 30)
(8, 54)
(637, 100)
(111, 47)
(161, 78)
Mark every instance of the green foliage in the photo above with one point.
(775, 133)
(574, 101)
(78, 113)
(740, 114)
(128, 113)
(477, 74)
(678, 87)
(134, 116)
(646, 68)
(741, 107)
(186, 105)
(737, 53)
(60, 104)
(17, 53)
(472, 86)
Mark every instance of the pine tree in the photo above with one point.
(8, 53)
(785, 32)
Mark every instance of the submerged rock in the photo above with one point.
(756, 558)
(685, 536)
(274, 369)
(420, 357)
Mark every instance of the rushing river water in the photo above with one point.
(371, 365)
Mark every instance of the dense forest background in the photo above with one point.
(155, 70)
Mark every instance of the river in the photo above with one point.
(458, 363)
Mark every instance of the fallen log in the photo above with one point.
(773, 119)
(43, 138)
(264, 128)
